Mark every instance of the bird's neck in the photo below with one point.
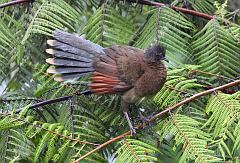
(152, 61)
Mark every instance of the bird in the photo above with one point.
(127, 71)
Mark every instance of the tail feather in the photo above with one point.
(67, 62)
(68, 48)
(60, 70)
(72, 55)
(70, 76)
(61, 54)
(78, 42)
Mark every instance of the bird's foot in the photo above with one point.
(145, 120)
(132, 131)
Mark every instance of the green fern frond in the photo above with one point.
(107, 27)
(236, 145)
(216, 50)
(59, 154)
(186, 131)
(88, 125)
(225, 112)
(169, 26)
(16, 145)
(50, 15)
(203, 6)
(235, 31)
(44, 141)
(6, 37)
(236, 131)
(9, 45)
(132, 150)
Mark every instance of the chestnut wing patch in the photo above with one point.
(105, 84)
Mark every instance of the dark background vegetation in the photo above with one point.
(203, 54)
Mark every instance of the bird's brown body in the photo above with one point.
(134, 76)
(128, 71)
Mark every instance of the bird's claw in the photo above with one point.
(145, 120)
(133, 131)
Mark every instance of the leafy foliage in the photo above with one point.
(168, 26)
(135, 151)
(216, 50)
(106, 27)
(191, 137)
(203, 6)
(50, 15)
(202, 55)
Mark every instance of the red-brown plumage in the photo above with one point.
(128, 71)
(104, 84)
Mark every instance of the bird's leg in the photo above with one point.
(145, 119)
(130, 97)
(125, 107)
(132, 129)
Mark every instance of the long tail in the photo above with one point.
(72, 55)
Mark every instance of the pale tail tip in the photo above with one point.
(59, 79)
(49, 51)
(51, 70)
(50, 42)
(50, 60)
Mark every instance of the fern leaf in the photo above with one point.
(216, 50)
(186, 131)
(107, 27)
(50, 15)
(135, 151)
(169, 26)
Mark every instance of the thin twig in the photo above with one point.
(208, 73)
(158, 115)
(13, 3)
(8, 100)
(103, 145)
(47, 102)
(183, 10)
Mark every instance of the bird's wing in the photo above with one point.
(129, 64)
(117, 70)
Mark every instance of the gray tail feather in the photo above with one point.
(68, 76)
(72, 55)
(77, 42)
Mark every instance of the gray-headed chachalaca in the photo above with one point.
(125, 70)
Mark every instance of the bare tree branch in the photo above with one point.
(158, 115)
(183, 10)
(47, 102)
(14, 3)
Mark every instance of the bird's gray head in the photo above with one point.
(155, 53)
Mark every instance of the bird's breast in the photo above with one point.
(152, 80)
